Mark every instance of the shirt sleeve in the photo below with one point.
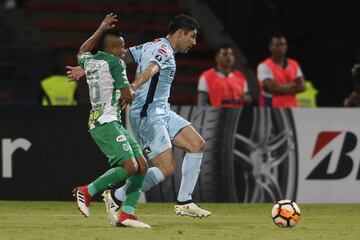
(135, 52)
(83, 57)
(118, 72)
(202, 85)
(160, 54)
(263, 72)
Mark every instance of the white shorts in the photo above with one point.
(155, 132)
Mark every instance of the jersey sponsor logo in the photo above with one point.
(138, 47)
(147, 150)
(172, 74)
(123, 64)
(162, 52)
(333, 149)
(126, 147)
(162, 139)
(120, 138)
(100, 105)
(158, 57)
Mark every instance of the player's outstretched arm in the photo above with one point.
(107, 23)
(75, 73)
(148, 73)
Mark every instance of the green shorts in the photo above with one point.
(116, 143)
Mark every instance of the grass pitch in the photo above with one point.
(61, 220)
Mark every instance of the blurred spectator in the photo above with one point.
(354, 99)
(280, 77)
(222, 86)
(58, 91)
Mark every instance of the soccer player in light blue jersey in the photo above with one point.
(155, 124)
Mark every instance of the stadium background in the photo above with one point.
(38, 38)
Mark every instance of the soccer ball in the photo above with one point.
(286, 213)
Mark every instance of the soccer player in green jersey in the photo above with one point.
(109, 89)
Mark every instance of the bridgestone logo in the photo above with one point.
(337, 163)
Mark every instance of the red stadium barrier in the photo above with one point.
(75, 44)
(105, 8)
(55, 25)
(201, 64)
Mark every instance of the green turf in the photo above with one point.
(61, 220)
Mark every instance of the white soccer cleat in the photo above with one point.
(129, 220)
(112, 209)
(190, 209)
(83, 200)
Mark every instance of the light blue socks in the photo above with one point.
(153, 177)
(190, 173)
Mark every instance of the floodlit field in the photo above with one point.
(61, 220)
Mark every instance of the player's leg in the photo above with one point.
(109, 179)
(191, 142)
(188, 139)
(112, 142)
(164, 166)
(135, 182)
(157, 144)
(127, 214)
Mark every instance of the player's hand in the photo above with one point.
(123, 104)
(74, 73)
(127, 96)
(108, 22)
(132, 92)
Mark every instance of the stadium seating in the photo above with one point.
(104, 8)
(59, 28)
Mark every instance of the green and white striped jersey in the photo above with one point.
(106, 75)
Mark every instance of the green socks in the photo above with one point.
(109, 179)
(133, 193)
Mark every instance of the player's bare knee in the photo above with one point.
(130, 167)
(168, 171)
(143, 166)
(197, 146)
(143, 170)
(130, 170)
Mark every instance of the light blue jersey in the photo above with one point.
(153, 96)
(154, 123)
